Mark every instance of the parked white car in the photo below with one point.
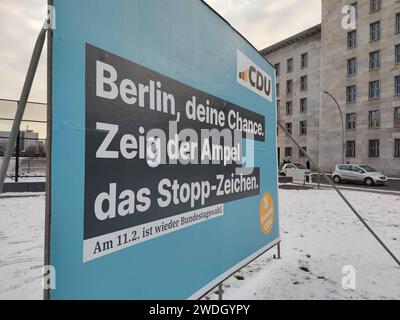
(358, 173)
(294, 170)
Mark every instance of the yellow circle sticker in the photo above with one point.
(266, 213)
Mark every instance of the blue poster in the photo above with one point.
(163, 154)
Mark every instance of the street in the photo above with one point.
(393, 185)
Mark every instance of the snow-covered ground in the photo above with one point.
(319, 236)
(21, 247)
(30, 169)
(27, 179)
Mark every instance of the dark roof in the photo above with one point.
(286, 42)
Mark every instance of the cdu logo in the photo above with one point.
(252, 77)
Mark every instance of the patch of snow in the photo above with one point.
(320, 235)
(26, 179)
(21, 194)
(21, 247)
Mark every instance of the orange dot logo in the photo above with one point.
(267, 213)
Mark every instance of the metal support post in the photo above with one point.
(22, 104)
(220, 292)
(278, 251)
(17, 151)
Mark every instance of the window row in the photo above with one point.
(375, 58)
(374, 90)
(290, 64)
(302, 127)
(374, 119)
(289, 152)
(373, 148)
(375, 31)
(289, 106)
(289, 86)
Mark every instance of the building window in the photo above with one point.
(289, 108)
(375, 31)
(289, 86)
(397, 53)
(397, 148)
(278, 108)
(374, 60)
(303, 128)
(289, 127)
(301, 153)
(373, 148)
(397, 24)
(352, 39)
(397, 85)
(351, 66)
(350, 149)
(290, 65)
(351, 121)
(375, 5)
(351, 94)
(397, 117)
(304, 60)
(278, 91)
(303, 83)
(278, 69)
(374, 119)
(303, 105)
(374, 89)
(288, 152)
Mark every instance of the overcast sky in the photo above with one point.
(263, 22)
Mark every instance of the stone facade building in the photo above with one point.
(359, 65)
(297, 62)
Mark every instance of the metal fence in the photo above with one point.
(29, 156)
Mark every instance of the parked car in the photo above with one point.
(358, 173)
(294, 167)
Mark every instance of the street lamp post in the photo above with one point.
(341, 117)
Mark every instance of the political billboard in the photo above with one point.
(163, 150)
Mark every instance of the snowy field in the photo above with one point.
(30, 170)
(319, 237)
(21, 247)
(26, 179)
